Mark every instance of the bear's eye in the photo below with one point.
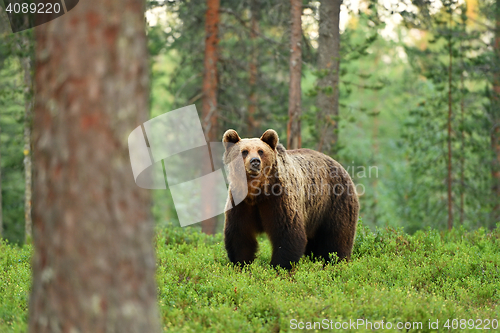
(244, 153)
(261, 152)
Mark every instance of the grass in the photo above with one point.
(15, 281)
(392, 277)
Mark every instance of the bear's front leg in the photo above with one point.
(286, 233)
(289, 245)
(240, 231)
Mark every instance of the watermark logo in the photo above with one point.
(171, 150)
(26, 14)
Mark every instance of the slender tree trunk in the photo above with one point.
(209, 111)
(495, 116)
(462, 138)
(4, 29)
(26, 60)
(375, 179)
(94, 264)
(1, 210)
(26, 63)
(294, 139)
(252, 105)
(328, 83)
(450, 114)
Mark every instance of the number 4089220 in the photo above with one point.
(33, 8)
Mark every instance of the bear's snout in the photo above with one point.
(255, 163)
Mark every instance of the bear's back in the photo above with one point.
(315, 181)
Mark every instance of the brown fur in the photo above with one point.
(302, 199)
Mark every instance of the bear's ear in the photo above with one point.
(271, 138)
(230, 138)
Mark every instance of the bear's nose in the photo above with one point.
(255, 162)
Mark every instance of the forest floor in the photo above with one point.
(429, 281)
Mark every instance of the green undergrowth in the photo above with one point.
(393, 277)
(15, 282)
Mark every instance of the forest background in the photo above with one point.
(416, 123)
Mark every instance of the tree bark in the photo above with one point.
(450, 114)
(495, 117)
(328, 83)
(294, 139)
(26, 63)
(94, 265)
(1, 209)
(462, 138)
(252, 105)
(209, 111)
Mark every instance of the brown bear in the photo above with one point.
(303, 200)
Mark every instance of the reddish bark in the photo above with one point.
(94, 265)
(294, 139)
(209, 110)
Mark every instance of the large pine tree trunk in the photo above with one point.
(209, 111)
(495, 117)
(328, 65)
(294, 139)
(94, 265)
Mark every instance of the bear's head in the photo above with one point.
(259, 158)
